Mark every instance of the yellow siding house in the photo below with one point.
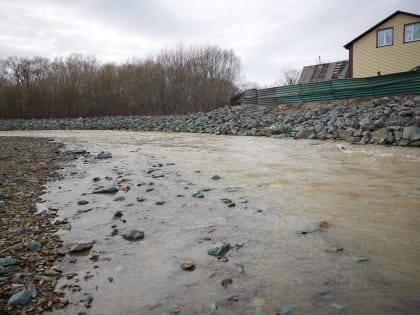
(391, 46)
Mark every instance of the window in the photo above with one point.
(385, 37)
(411, 32)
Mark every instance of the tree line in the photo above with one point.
(176, 81)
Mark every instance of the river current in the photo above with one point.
(366, 262)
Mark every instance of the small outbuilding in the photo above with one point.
(324, 72)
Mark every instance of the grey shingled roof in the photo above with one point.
(324, 72)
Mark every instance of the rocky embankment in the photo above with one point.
(388, 120)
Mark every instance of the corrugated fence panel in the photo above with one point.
(398, 83)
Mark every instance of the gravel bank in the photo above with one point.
(388, 121)
(28, 243)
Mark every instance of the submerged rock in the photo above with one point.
(106, 190)
(133, 235)
(218, 249)
(79, 247)
(324, 296)
(198, 194)
(104, 155)
(187, 265)
(288, 309)
(118, 214)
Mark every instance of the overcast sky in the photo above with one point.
(267, 35)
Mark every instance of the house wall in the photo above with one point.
(368, 59)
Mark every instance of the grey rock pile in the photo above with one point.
(388, 120)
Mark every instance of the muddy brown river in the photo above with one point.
(366, 262)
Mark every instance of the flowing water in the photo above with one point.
(369, 195)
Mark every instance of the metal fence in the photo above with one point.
(398, 83)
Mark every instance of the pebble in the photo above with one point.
(103, 155)
(218, 249)
(82, 202)
(4, 262)
(141, 199)
(118, 214)
(215, 177)
(226, 282)
(20, 298)
(187, 265)
(324, 296)
(288, 309)
(78, 247)
(88, 301)
(133, 235)
(198, 194)
(105, 190)
(361, 259)
(33, 246)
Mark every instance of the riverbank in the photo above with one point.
(28, 240)
(388, 121)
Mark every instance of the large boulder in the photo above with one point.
(383, 136)
(411, 133)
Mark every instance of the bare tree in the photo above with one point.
(291, 76)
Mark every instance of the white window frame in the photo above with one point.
(410, 28)
(381, 35)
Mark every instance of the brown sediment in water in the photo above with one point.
(364, 260)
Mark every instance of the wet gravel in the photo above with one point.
(28, 243)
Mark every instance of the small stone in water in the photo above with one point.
(82, 202)
(104, 155)
(324, 296)
(118, 214)
(133, 235)
(106, 190)
(288, 309)
(218, 249)
(323, 224)
(361, 259)
(198, 194)
(216, 177)
(187, 265)
(78, 247)
(141, 199)
(226, 282)
(160, 203)
(88, 301)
